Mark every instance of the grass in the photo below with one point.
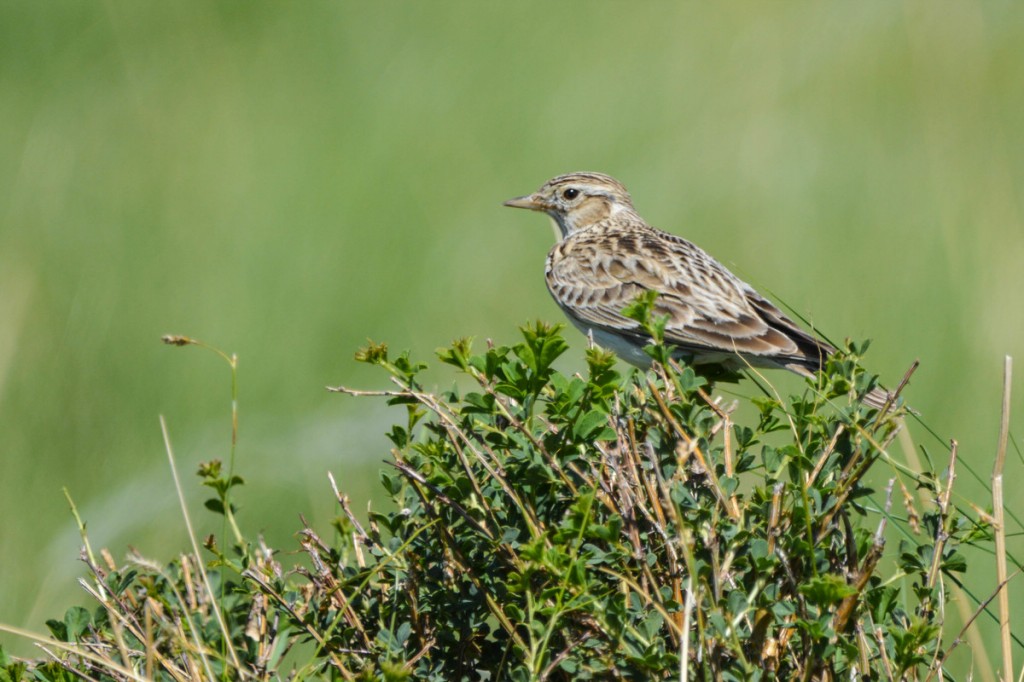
(599, 527)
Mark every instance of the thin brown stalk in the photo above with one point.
(849, 604)
(345, 507)
(982, 607)
(849, 479)
(120, 619)
(519, 426)
(296, 617)
(195, 545)
(636, 466)
(1000, 524)
(662, 530)
(674, 629)
(632, 483)
(443, 412)
(642, 482)
(880, 636)
(773, 516)
(725, 421)
(313, 545)
(731, 509)
(75, 650)
(454, 555)
(891, 400)
(416, 476)
(824, 456)
(472, 476)
(684, 644)
(943, 503)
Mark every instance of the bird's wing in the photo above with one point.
(593, 275)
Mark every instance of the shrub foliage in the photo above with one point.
(556, 527)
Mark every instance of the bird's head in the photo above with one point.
(576, 201)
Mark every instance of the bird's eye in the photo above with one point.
(570, 193)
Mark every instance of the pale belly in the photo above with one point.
(635, 355)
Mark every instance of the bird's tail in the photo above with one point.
(877, 398)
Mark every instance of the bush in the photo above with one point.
(554, 527)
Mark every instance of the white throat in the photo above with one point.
(557, 229)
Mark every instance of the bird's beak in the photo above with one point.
(530, 201)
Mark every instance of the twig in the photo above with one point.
(982, 607)
(414, 475)
(826, 453)
(214, 606)
(684, 655)
(891, 398)
(848, 605)
(729, 505)
(1000, 524)
(942, 500)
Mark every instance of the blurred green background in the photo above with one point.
(284, 182)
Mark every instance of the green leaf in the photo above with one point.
(642, 307)
(772, 459)
(58, 629)
(77, 620)
(373, 353)
(954, 562)
(124, 580)
(398, 436)
(210, 470)
(458, 354)
(543, 344)
(826, 590)
(589, 424)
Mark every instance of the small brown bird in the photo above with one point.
(607, 255)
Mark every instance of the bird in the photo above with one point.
(606, 255)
